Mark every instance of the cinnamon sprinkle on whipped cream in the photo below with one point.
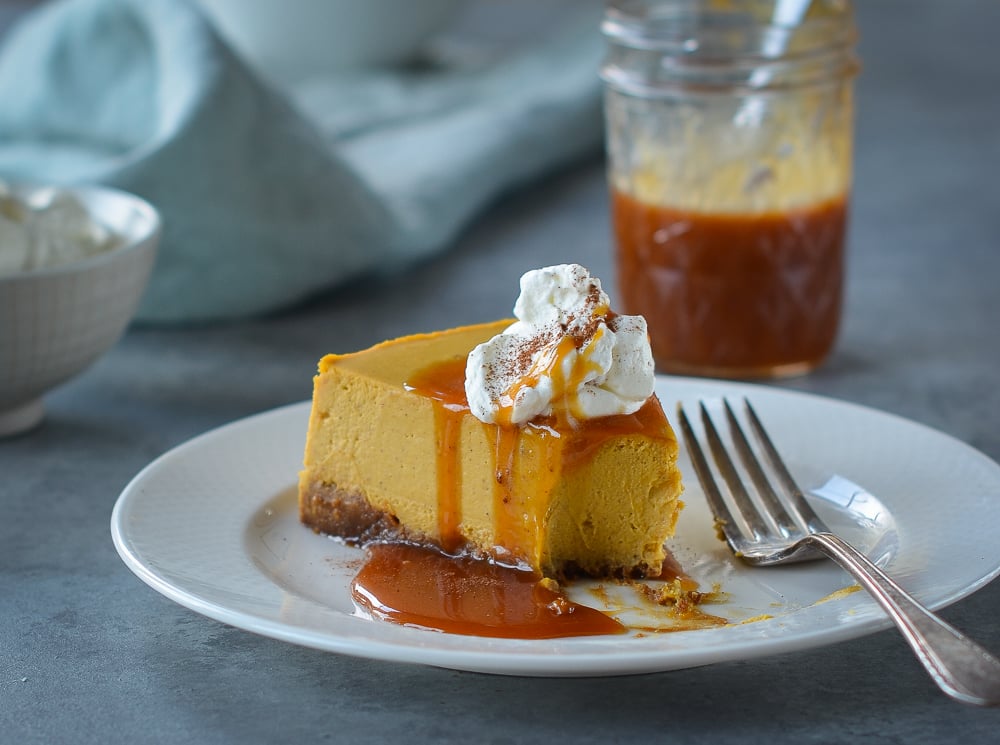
(568, 354)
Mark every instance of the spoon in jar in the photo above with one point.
(787, 15)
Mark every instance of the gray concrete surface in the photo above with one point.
(89, 654)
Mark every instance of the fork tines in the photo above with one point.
(751, 519)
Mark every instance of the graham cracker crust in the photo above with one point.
(348, 515)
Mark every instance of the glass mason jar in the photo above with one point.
(729, 137)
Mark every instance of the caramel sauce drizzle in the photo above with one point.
(516, 525)
(445, 385)
(512, 526)
(567, 381)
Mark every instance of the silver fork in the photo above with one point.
(786, 530)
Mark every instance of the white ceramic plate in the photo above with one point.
(213, 525)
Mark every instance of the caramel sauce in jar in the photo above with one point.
(729, 138)
(733, 294)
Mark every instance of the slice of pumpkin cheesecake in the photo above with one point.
(537, 443)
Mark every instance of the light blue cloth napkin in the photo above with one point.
(270, 197)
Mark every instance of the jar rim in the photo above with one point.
(668, 47)
(668, 26)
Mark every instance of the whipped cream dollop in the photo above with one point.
(567, 353)
(47, 228)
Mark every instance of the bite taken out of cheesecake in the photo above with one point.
(537, 443)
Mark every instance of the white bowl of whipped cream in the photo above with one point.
(74, 262)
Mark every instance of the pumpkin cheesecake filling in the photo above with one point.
(536, 443)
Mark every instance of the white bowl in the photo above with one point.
(54, 322)
(290, 42)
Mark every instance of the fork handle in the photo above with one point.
(959, 666)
